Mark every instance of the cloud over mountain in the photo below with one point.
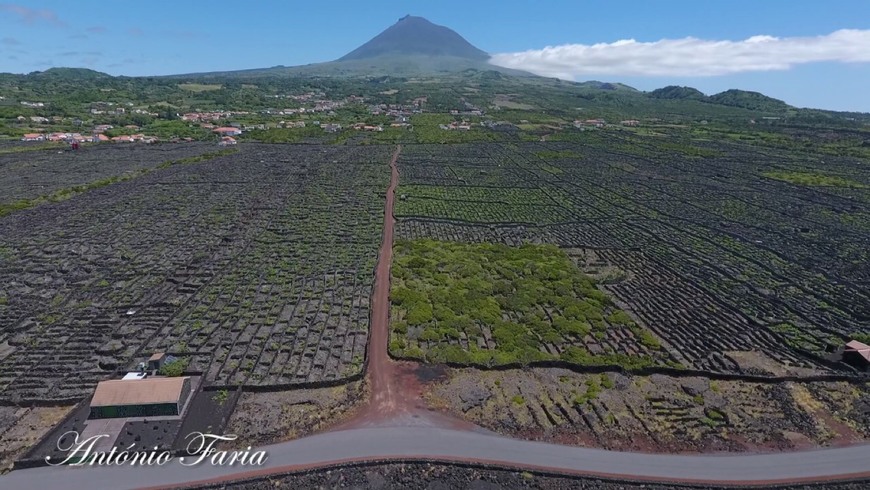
(689, 56)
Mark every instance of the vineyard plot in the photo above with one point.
(33, 174)
(490, 304)
(735, 264)
(253, 268)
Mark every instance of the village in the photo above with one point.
(224, 125)
(108, 122)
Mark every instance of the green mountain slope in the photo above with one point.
(748, 100)
(675, 92)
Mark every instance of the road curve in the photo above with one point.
(433, 443)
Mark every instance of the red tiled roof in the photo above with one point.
(855, 345)
(138, 392)
(859, 348)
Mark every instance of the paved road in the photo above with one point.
(451, 445)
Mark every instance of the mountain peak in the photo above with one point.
(412, 35)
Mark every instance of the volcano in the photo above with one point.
(410, 47)
(416, 36)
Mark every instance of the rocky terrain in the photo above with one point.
(21, 428)
(426, 476)
(266, 418)
(657, 413)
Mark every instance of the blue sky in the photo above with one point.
(162, 37)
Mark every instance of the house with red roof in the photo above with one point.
(857, 354)
(227, 131)
(58, 136)
(33, 137)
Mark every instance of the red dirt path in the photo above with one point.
(395, 396)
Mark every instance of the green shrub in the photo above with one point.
(524, 297)
(414, 352)
(175, 368)
(397, 346)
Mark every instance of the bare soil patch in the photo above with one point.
(265, 418)
(20, 428)
(657, 413)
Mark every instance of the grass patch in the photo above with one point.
(813, 179)
(558, 155)
(63, 194)
(68, 192)
(593, 389)
(200, 87)
(23, 149)
(221, 397)
(174, 369)
(446, 296)
(479, 204)
(427, 130)
(287, 135)
(797, 338)
(199, 158)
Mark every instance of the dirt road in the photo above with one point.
(395, 390)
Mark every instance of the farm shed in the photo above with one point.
(156, 361)
(147, 397)
(857, 354)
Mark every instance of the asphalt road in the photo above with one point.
(383, 443)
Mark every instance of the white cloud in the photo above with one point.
(689, 56)
(32, 16)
